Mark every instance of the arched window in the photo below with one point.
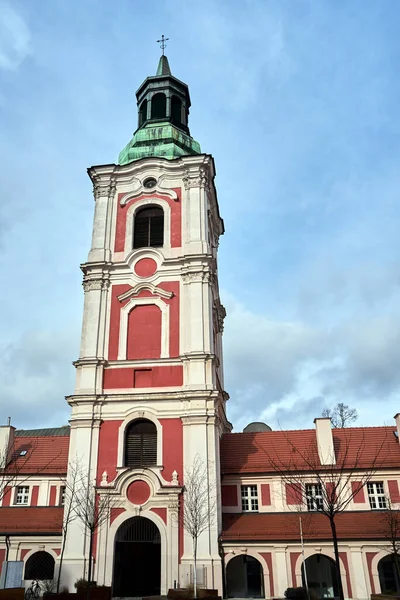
(39, 565)
(158, 106)
(149, 227)
(141, 444)
(143, 113)
(176, 110)
(388, 573)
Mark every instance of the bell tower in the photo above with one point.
(149, 397)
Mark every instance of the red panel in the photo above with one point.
(138, 492)
(143, 378)
(176, 220)
(35, 495)
(24, 552)
(331, 492)
(117, 378)
(127, 377)
(172, 448)
(343, 557)
(108, 449)
(57, 551)
(265, 494)
(370, 557)
(394, 490)
(293, 494)
(293, 560)
(53, 495)
(161, 512)
(358, 496)
(7, 496)
(268, 559)
(144, 332)
(173, 286)
(2, 557)
(145, 267)
(116, 305)
(115, 512)
(229, 495)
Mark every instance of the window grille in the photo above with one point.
(138, 529)
(22, 494)
(39, 566)
(141, 444)
(376, 495)
(314, 496)
(149, 228)
(249, 498)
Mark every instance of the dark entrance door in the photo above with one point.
(244, 578)
(137, 559)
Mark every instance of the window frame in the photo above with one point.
(25, 495)
(376, 497)
(250, 501)
(314, 497)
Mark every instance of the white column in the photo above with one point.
(98, 249)
(358, 576)
(281, 579)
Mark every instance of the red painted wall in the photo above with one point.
(268, 559)
(343, 557)
(24, 552)
(127, 377)
(358, 496)
(115, 512)
(394, 490)
(265, 494)
(53, 495)
(331, 491)
(35, 495)
(108, 449)
(176, 220)
(7, 496)
(172, 448)
(229, 495)
(370, 557)
(116, 305)
(161, 512)
(2, 557)
(293, 494)
(144, 332)
(57, 551)
(293, 560)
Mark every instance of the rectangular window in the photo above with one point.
(62, 495)
(249, 498)
(376, 495)
(314, 496)
(22, 494)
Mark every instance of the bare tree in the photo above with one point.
(70, 491)
(91, 509)
(199, 504)
(390, 518)
(341, 415)
(327, 489)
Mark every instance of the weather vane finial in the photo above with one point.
(162, 43)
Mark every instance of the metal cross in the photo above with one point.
(162, 43)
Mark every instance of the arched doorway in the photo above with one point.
(137, 559)
(244, 578)
(389, 574)
(321, 576)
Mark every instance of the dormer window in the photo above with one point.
(149, 228)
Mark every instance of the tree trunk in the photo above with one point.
(337, 559)
(195, 566)
(90, 562)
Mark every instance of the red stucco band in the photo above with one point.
(175, 226)
(129, 377)
(138, 492)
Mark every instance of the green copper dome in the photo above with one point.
(163, 107)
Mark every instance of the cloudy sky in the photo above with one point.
(298, 101)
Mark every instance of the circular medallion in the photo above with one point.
(138, 492)
(145, 267)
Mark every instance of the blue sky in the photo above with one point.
(298, 103)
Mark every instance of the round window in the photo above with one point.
(150, 182)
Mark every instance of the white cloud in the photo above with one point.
(15, 38)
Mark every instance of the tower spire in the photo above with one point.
(163, 66)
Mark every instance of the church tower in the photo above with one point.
(149, 398)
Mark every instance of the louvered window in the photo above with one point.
(149, 228)
(141, 444)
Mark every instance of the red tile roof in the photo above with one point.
(269, 527)
(268, 451)
(31, 520)
(45, 455)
